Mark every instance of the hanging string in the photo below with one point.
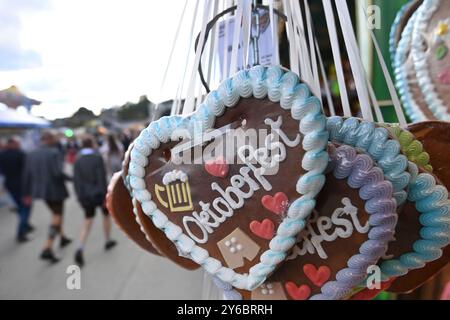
(331, 23)
(169, 60)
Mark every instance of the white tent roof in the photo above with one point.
(12, 119)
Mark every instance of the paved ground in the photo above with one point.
(126, 272)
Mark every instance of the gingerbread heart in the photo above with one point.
(354, 220)
(217, 167)
(209, 219)
(302, 292)
(277, 204)
(435, 138)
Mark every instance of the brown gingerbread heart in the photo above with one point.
(206, 211)
(401, 20)
(153, 234)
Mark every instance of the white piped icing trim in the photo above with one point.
(435, 103)
(306, 109)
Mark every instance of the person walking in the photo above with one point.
(44, 179)
(112, 152)
(90, 187)
(12, 163)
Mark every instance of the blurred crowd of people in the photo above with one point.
(40, 175)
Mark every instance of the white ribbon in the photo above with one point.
(246, 30)
(236, 36)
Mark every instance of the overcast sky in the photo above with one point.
(90, 53)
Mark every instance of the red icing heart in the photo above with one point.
(264, 229)
(444, 77)
(317, 276)
(217, 167)
(276, 204)
(298, 293)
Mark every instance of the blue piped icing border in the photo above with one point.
(376, 142)
(435, 103)
(433, 204)
(278, 86)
